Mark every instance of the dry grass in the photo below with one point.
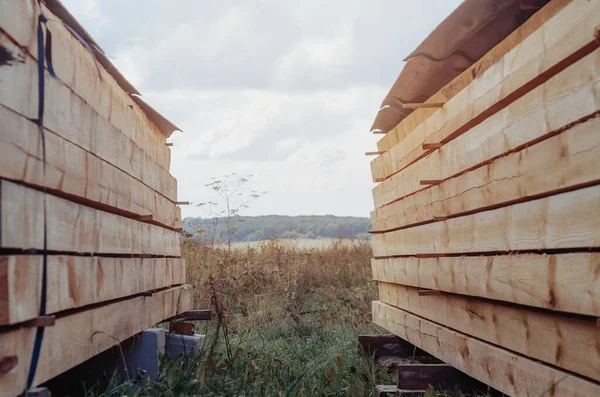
(273, 277)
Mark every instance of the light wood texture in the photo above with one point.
(73, 119)
(76, 172)
(503, 370)
(79, 336)
(407, 125)
(563, 221)
(423, 105)
(563, 100)
(75, 67)
(564, 161)
(563, 341)
(563, 282)
(76, 281)
(75, 228)
(562, 40)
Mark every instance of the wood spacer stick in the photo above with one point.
(431, 146)
(429, 292)
(8, 363)
(374, 153)
(145, 218)
(178, 230)
(379, 179)
(42, 321)
(182, 203)
(422, 105)
(431, 181)
(440, 218)
(378, 131)
(196, 315)
(169, 143)
(148, 293)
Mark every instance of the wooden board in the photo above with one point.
(76, 172)
(562, 282)
(563, 221)
(563, 162)
(76, 281)
(413, 120)
(562, 40)
(76, 68)
(505, 371)
(81, 335)
(563, 100)
(73, 119)
(564, 341)
(74, 228)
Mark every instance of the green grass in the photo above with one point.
(288, 321)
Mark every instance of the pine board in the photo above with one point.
(508, 372)
(74, 228)
(563, 341)
(76, 281)
(563, 162)
(83, 334)
(561, 282)
(417, 117)
(568, 97)
(561, 221)
(76, 172)
(76, 68)
(70, 117)
(562, 40)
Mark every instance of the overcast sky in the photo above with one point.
(283, 90)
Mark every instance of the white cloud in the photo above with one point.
(286, 91)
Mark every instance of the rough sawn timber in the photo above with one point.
(70, 117)
(562, 282)
(76, 281)
(75, 66)
(561, 41)
(407, 125)
(510, 373)
(557, 339)
(75, 172)
(562, 221)
(81, 335)
(74, 228)
(567, 98)
(566, 161)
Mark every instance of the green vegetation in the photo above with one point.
(259, 228)
(287, 324)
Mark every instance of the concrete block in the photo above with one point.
(178, 346)
(145, 351)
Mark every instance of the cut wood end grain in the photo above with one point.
(429, 292)
(42, 321)
(431, 146)
(422, 105)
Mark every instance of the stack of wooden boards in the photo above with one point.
(113, 223)
(487, 222)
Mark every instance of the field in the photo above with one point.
(287, 323)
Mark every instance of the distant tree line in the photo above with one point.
(255, 228)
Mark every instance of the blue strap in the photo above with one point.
(43, 51)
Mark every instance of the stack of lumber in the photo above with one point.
(108, 200)
(487, 222)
